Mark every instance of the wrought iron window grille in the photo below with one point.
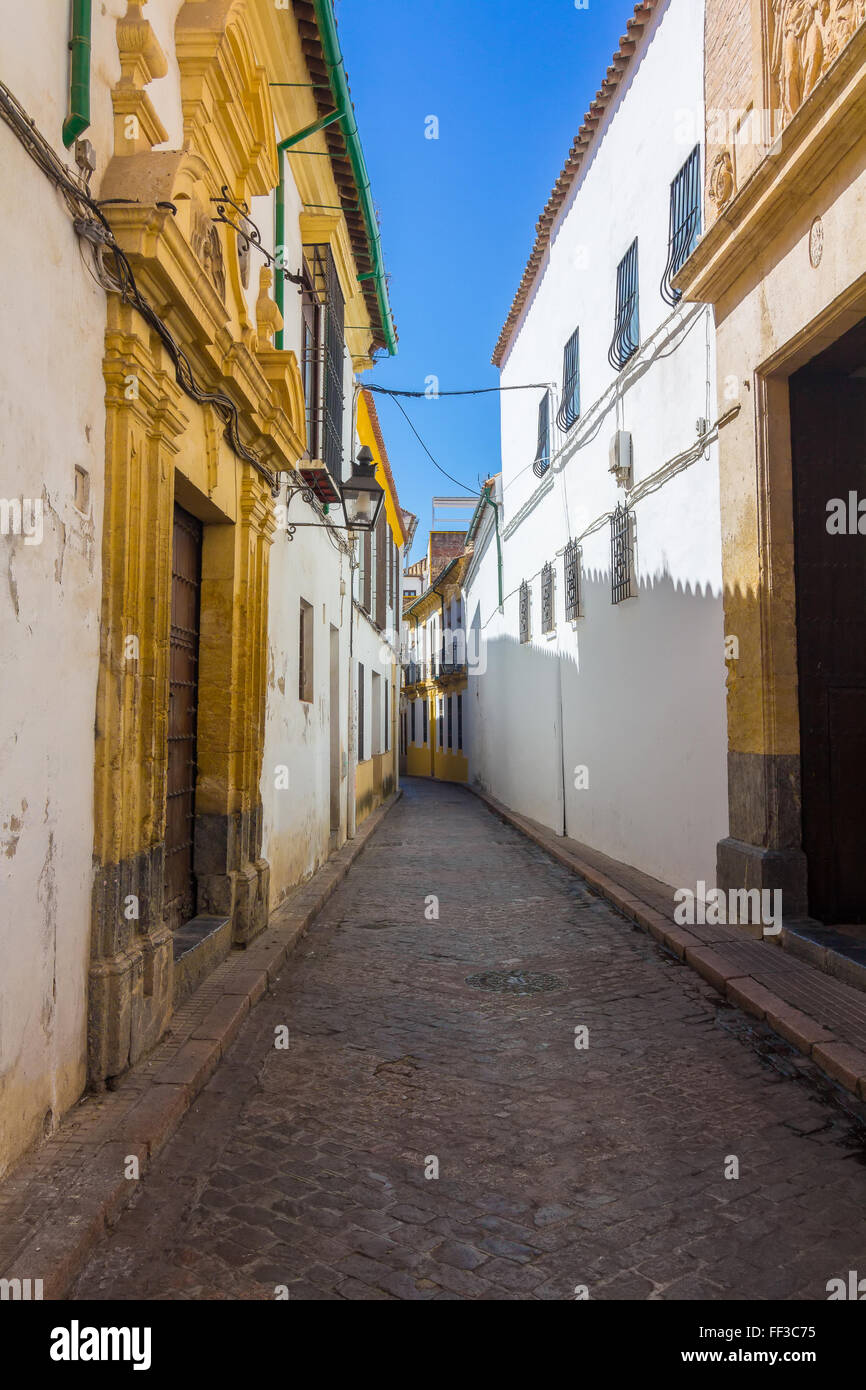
(524, 612)
(573, 597)
(324, 356)
(626, 332)
(542, 452)
(548, 617)
(569, 410)
(621, 555)
(685, 222)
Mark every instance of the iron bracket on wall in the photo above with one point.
(249, 232)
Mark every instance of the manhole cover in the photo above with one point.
(514, 982)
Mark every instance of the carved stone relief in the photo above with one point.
(208, 250)
(804, 37)
(722, 181)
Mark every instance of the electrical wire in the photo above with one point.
(92, 227)
(448, 475)
(475, 391)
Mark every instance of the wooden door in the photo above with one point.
(180, 887)
(828, 430)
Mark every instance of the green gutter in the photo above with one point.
(78, 119)
(327, 25)
(280, 219)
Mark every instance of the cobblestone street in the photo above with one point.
(559, 1166)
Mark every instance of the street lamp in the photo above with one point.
(362, 496)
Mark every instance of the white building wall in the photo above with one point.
(633, 692)
(296, 766)
(52, 422)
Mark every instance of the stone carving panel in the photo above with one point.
(208, 250)
(804, 37)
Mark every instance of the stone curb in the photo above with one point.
(838, 1059)
(56, 1250)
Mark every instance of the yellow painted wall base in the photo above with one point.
(375, 779)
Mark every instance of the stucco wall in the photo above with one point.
(633, 692)
(52, 420)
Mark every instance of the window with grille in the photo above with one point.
(569, 410)
(626, 331)
(361, 713)
(460, 722)
(412, 720)
(450, 722)
(548, 621)
(524, 612)
(310, 359)
(571, 562)
(305, 652)
(324, 356)
(685, 221)
(542, 451)
(621, 557)
(424, 710)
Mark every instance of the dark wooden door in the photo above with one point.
(828, 430)
(180, 891)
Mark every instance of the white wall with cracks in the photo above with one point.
(611, 728)
(52, 450)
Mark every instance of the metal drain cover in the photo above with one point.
(370, 926)
(514, 982)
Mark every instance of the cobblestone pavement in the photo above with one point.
(559, 1166)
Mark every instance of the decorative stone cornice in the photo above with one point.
(136, 124)
(819, 135)
(227, 112)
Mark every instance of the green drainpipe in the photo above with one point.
(280, 219)
(485, 497)
(495, 505)
(327, 25)
(78, 119)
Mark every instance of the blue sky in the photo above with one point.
(509, 81)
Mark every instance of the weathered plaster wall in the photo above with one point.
(52, 421)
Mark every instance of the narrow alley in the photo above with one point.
(584, 1098)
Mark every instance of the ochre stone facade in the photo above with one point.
(782, 263)
(164, 448)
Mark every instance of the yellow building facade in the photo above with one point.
(203, 416)
(434, 680)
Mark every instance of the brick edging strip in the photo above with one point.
(95, 1194)
(842, 1062)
